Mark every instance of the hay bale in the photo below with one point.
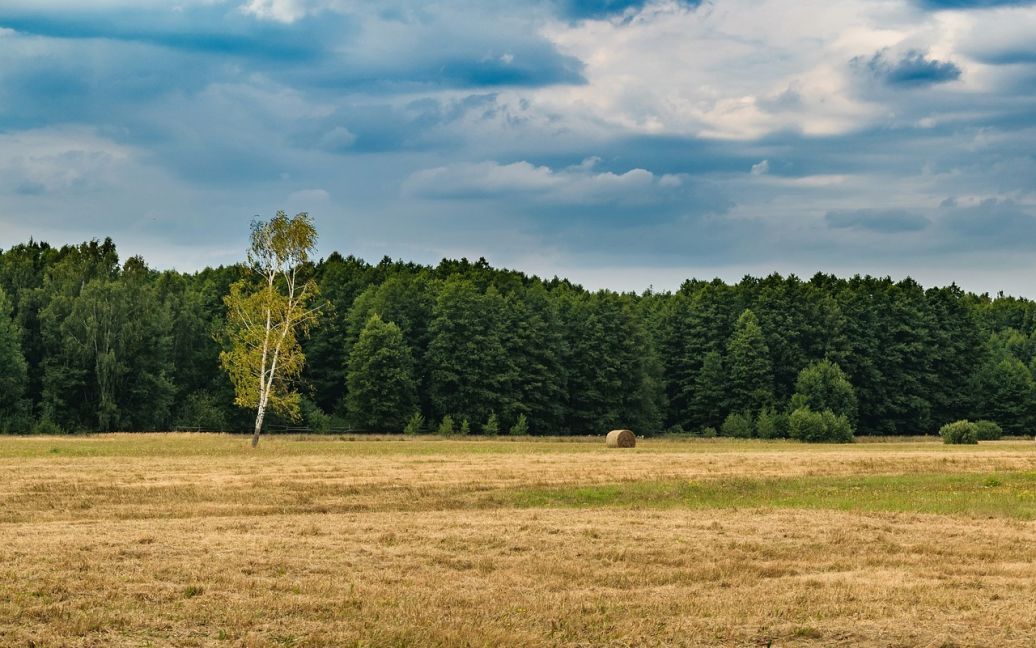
(621, 439)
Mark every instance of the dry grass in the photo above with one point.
(194, 540)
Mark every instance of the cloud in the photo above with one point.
(888, 221)
(598, 9)
(580, 184)
(60, 160)
(286, 11)
(913, 68)
(971, 4)
(726, 135)
(991, 224)
(206, 29)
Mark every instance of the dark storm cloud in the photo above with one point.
(913, 68)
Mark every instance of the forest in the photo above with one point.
(89, 343)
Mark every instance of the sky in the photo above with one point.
(622, 143)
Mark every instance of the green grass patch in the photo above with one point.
(1006, 494)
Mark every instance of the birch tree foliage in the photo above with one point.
(267, 314)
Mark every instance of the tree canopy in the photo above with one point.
(91, 343)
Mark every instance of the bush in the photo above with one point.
(676, 429)
(819, 427)
(415, 424)
(465, 427)
(204, 410)
(738, 426)
(824, 386)
(492, 426)
(709, 432)
(314, 418)
(18, 422)
(520, 427)
(446, 427)
(959, 432)
(47, 425)
(988, 431)
(771, 424)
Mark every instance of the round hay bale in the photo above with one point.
(621, 439)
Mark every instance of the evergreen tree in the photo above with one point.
(614, 377)
(469, 371)
(535, 346)
(341, 280)
(382, 392)
(709, 403)
(749, 366)
(406, 296)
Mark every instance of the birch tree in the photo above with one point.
(267, 314)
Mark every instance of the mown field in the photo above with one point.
(198, 540)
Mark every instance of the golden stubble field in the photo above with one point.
(196, 540)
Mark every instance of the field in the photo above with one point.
(197, 540)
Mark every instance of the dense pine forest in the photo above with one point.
(89, 343)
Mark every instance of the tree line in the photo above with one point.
(91, 343)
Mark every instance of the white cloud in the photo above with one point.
(761, 168)
(286, 11)
(577, 184)
(741, 69)
(58, 159)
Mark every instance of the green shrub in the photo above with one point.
(204, 410)
(824, 386)
(819, 427)
(313, 417)
(520, 427)
(415, 424)
(17, 422)
(47, 425)
(738, 426)
(988, 431)
(959, 432)
(771, 424)
(492, 426)
(676, 430)
(446, 427)
(465, 427)
(709, 432)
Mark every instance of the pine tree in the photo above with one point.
(748, 361)
(535, 346)
(382, 393)
(341, 280)
(614, 378)
(709, 402)
(469, 371)
(406, 298)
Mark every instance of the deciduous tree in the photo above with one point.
(267, 317)
(382, 392)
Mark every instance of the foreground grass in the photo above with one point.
(195, 540)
